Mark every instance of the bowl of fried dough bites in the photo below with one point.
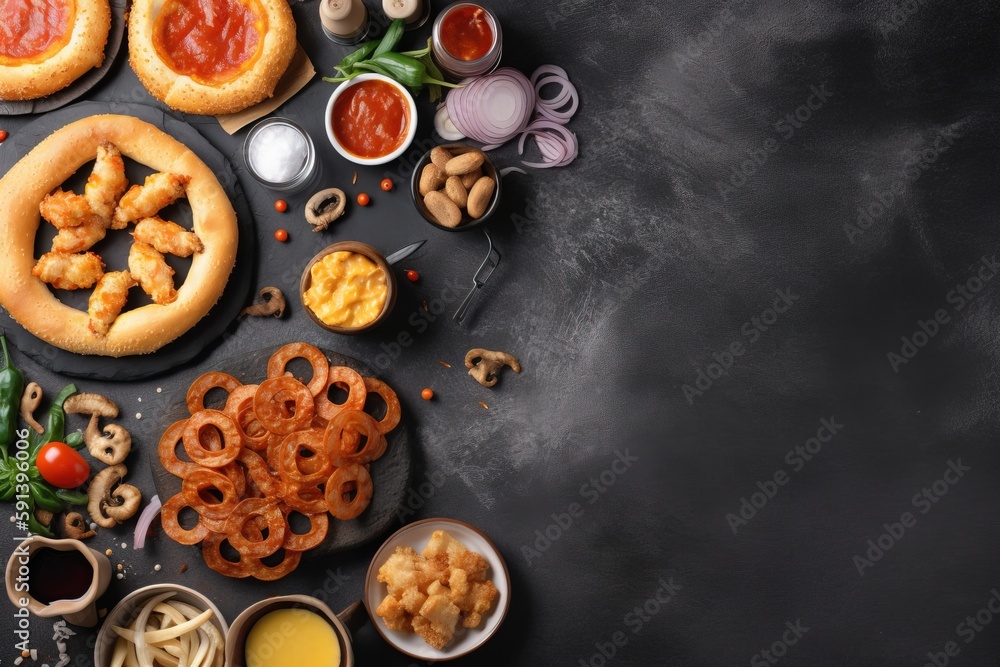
(437, 589)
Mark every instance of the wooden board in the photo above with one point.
(390, 474)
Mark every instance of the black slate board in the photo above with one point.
(114, 250)
(390, 474)
(80, 87)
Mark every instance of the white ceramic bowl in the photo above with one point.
(411, 130)
(466, 640)
(122, 615)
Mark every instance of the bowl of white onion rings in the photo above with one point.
(164, 625)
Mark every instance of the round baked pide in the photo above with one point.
(210, 56)
(45, 46)
(143, 329)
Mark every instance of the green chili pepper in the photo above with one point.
(391, 37)
(369, 66)
(434, 89)
(56, 429)
(408, 71)
(71, 497)
(74, 439)
(346, 65)
(11, 387)
(45, 497)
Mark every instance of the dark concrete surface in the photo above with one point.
(758, 331)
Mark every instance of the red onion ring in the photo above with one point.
(145, 521)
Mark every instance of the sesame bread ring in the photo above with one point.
(143, 329)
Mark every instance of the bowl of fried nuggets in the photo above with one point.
(437, 589)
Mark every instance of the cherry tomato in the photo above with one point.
(281, 206)
(363, 199)
(281, 235)
(3, 135)
(412, 276)
(386, 184)
(62, 466)
(427, 393)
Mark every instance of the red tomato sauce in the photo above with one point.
(29, 29)
(212, 42)
(466, 33)
(371, 119)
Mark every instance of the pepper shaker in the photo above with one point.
(344, 21)
(414, 12)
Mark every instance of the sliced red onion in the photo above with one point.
(145, 521)
(444, 127)
(512, 170)
(492, 109)
(557, 145)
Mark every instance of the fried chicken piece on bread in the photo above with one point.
(155, 276)
(107, 300)
(69, 272)
(106, 184)
(143, 201)
(167, 237)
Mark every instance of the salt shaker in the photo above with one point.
(344, 21)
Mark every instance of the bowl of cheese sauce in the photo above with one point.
(348, 288)
(292, 631)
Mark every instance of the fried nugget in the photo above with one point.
(79, 238)
(107, 300)
(67, 209)
(69, 272)
(144, 201)
(107, 183)
(167, 237)
(153, 273)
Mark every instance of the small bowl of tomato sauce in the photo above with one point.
(371, 119)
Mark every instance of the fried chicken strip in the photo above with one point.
(80, 238)
(144, 201)
(153, 273)
(107, 300)
(67, 209)
(70, 272)
(167, 237)
(106, 184)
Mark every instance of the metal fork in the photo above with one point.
(482, 275)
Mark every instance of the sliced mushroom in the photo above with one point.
(74, 527)
(111, 446)
(91, 404)
(108, 500)
(272, 302)
(44, 516)
(30, 401)
(324, 207)
(485, 365)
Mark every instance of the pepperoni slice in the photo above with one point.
(167, 451)
(319, 526)
(291, 463)
(278, 362)
(172, 527)
(204, 422)
(266, 508)
(392, 410)
(206, 383)
(348, 380)
(200, 483)
(353, 437)
(348, 491)
(271, 401)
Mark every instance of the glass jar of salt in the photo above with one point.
(280, 155)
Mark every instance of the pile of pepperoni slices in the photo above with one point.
(276, 448)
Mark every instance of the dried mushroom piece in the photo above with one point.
(485, 365)
(30, 401)
(324, 207)
(75, 527)
(272, 302)
(110, 502)
(109, 446)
